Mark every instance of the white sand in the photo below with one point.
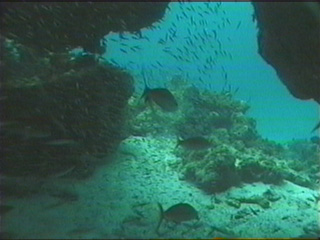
(119, 201)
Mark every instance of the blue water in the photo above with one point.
(227, 35)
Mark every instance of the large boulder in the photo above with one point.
(289, 40)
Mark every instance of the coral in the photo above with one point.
(296, 59)
(303, 151)
(238, 154)
(199, 113)
(215, 111)
(59, 110)
(303, 158)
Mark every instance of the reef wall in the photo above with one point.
(58, 108)
(289, 40)
(57, 26)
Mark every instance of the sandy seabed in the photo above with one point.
(120, 201)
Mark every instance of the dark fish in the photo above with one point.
(177, 213)
(316, 127)
(194, 143)
(121, 35)
(160, 96)
(161, 41)
(122, 50)
(238, 25)
(138, 33)
(159, 63)
(113, 61)
(136, 47)
(184, 14)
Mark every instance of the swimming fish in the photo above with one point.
(194, 143)
(177, 213)
(316, 127)
(160, 96)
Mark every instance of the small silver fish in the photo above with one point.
(62, 142)
(194, 143)
(316, 127)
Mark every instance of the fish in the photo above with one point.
(238, 25)
(160, 96)
(316, 127)
(177, 213)
(62, 142)
(161, 41)
(159, 63)
(194, 143)
(122, 50)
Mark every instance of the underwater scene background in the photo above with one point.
(151, 120)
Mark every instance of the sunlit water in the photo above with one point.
(228, 35)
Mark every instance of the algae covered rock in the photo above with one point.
(238, 153)
(58, 108)
(66, 110)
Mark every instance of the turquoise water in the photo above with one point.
(279, 115)
(69, 172)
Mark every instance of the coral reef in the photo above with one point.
(238, 154)
(58, 109)
(214, 110)
(57, 26)
(304, 156)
